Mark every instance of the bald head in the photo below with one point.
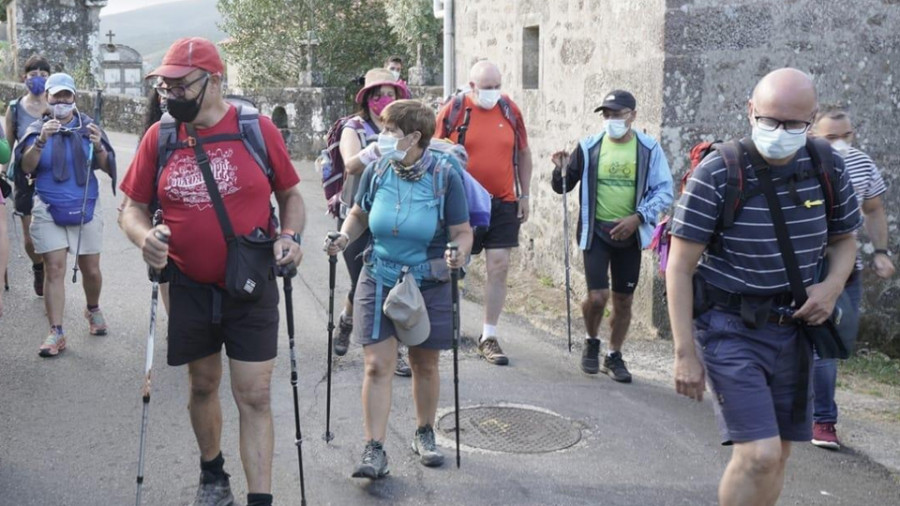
(484, 75)
(784, 94)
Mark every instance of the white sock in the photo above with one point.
(610, 353)
(588, 336)
(488, 331)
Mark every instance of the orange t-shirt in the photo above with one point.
(490, 143)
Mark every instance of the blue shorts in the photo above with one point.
(753, 376)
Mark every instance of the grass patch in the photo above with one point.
(873, 365)
(547, 281)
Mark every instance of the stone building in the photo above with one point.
(64, 31)
(122, 69)
(691, 64)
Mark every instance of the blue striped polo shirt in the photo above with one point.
(750, 261)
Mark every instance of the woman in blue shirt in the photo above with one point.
(413, 202)
(62, 151)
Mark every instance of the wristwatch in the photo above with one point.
(883, 252)
(287, 233)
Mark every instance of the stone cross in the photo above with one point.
(110, 34)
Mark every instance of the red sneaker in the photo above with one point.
(825, 436)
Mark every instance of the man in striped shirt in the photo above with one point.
(754, 370)
(833, 124)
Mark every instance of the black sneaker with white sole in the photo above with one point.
(214, 490)
(590, 356)
(424, 446)
(614, 366)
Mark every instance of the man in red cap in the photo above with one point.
(203, 316)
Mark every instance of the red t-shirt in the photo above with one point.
(490, 142)
(197, 245)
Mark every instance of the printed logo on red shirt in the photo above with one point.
(185, 181)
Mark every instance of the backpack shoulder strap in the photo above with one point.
(508, 113)
(251, 133)
(13, 109)
(822, 158)
(734, 185)
(166, 141)
(452, 116)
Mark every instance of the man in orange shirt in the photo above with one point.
(500, 160)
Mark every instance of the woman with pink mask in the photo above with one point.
(359, 148)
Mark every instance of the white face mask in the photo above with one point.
(615, 128)
(777, 144)
(842, 147)
(62, 110)
(487, 99)
(396, 74)
(387, 146)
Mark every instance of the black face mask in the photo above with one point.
(186, 110)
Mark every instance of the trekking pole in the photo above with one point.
(287, 273)
(454, 291)
(332, 268)
(148, 364)
(566, 240)
(87, 184)
(98, 107)
(462, 129)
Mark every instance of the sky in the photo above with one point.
(117, 6)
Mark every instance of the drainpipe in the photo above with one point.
(444, 9)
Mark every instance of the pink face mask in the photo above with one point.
(376, 105)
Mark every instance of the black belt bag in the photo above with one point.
(250, 259)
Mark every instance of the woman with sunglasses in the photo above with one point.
(62, 151)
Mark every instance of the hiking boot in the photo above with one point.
(614, 366)
(214, 490)
(590, 361)
(489, 349)
(423, 445)
(96, 321)
(402, 367)
(345, 328)
(374, 462)
(825, 436)
(38, 271)
(53, 344)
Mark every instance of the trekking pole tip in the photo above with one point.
(328, 436)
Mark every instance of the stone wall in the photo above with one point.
(716, 50)
(691, 65)
(64, 31)
(586, 49)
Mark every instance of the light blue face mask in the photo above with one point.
(387, 146)
(777, 144)
(615, 128)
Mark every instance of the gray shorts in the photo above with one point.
(437, 300)
(753, 376)
(48, 236)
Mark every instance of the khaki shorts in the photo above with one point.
(48, 236)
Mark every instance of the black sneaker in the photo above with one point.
(490, 350)
(614, 366)
(402, 367)
(342, 341)
(374, 462)
(424, 446)
(214, 490)
(590, 361)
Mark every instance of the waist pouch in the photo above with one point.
(836, 337)
(66, 214)
(603, 229)
(249, 265)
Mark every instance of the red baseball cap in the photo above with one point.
(187, 54)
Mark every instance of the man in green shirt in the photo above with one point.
(625, 184)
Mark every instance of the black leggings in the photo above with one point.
(353, 258)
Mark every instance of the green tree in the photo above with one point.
(418, 30)
(267, 38)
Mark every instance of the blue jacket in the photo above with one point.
(654, 185)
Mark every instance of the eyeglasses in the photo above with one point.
(791, 126)
(176, 91)
(607, 114)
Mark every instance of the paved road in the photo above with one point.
(69, 426)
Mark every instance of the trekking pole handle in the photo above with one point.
(333, 236)
(454, 249)
(162, 237)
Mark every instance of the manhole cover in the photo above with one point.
(510, 429)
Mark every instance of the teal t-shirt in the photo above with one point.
(616, 176)
(403, 216)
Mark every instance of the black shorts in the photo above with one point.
(23, 198)
(249, 330)
(503, 232)
(625, 264)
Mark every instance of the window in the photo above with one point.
(531, 57)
